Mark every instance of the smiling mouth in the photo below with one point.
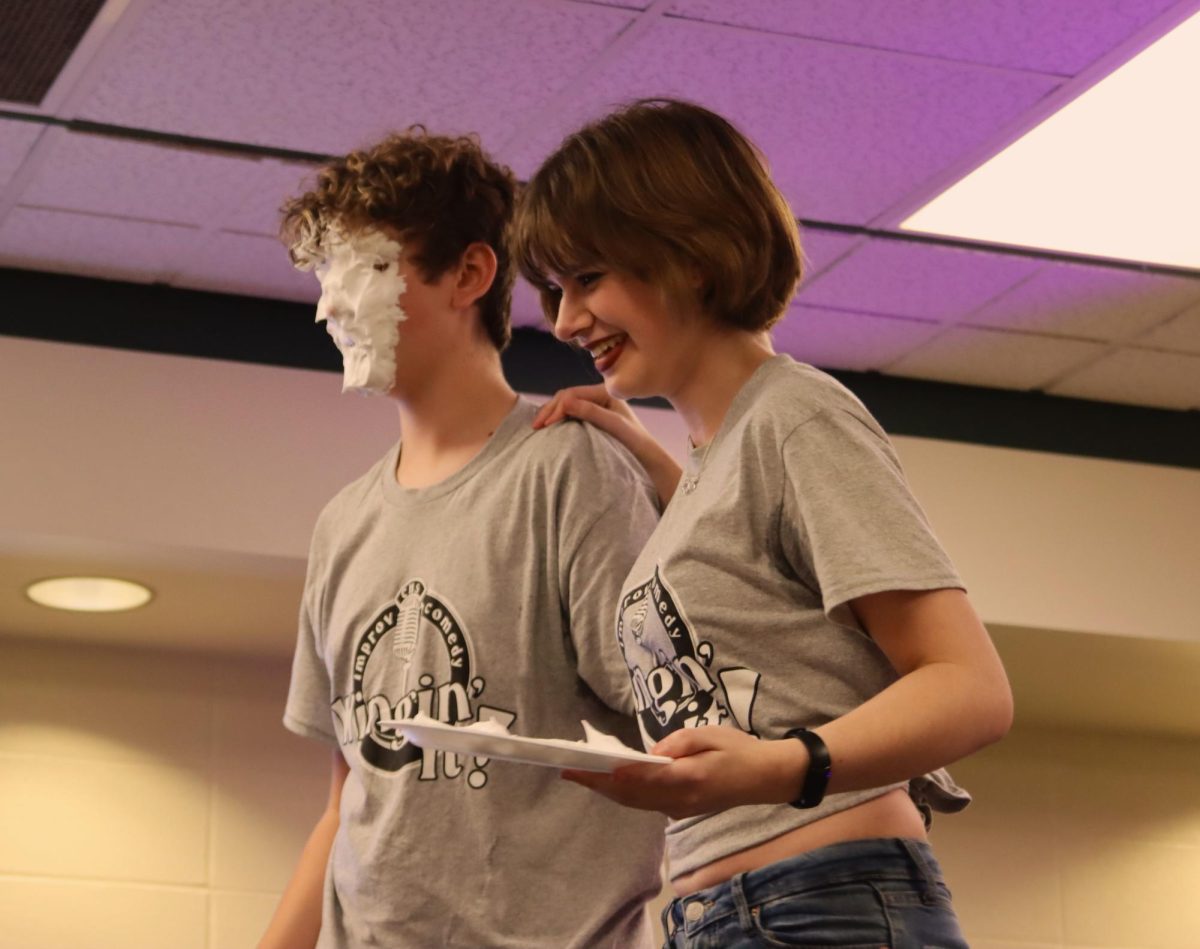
(607, 351)
(606, 346)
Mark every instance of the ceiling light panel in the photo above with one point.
(89, 594)
(1110, 175)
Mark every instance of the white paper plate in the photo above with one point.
(548, 752)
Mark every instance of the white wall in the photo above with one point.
(146, 800)
(151, 800)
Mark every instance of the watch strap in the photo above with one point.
(820, 767)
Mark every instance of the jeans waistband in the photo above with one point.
(877, 859)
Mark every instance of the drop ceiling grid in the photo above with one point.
(823, 249)
(16, 139)
(101, 175)
(92, 245)
(848, 131)
(245, 264)
(1138, 376)
(995, 358)
(267, 185)
(1097, 303)
(919, 281)
(1179, 334)
(838, 339)
(526, 307)
(1055, 38)
(330, 77)
(624, 4)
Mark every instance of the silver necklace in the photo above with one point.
(690, 481)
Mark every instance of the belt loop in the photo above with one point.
(929, 877)
(668, 920)
(739, 900)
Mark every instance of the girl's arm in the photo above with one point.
(951, 699)
(593, 404)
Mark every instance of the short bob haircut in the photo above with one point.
(671, 193)
(442, 193)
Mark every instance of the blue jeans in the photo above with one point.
(861, 894)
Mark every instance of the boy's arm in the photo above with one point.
(297, 919)
(593, 404)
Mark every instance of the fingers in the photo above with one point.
(692, 741)
(552, 411)
(681, 743)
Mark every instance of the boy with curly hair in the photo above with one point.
(468, 576)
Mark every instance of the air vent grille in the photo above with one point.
(36, 40)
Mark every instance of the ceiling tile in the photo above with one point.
(16, 138)
(92, 245)
(327, 77)
(848, 131)
(1181, 333)
(823, 248)
(834, 339)
(992, 358)
(267, 185)
(104, 175)
(1089, 302)
(1060, 38)
(1140, 377)
(526, 308)
(923, 281)
(246, 264)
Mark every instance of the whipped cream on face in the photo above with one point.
(361, 286)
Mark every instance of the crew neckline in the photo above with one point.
(508, 432)
(697, 457)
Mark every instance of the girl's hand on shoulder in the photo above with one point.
(594, 405)
(715, 768)
(591, 404)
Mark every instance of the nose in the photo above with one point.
(332, 305)
(573, 317)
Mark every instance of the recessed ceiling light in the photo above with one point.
(1112, 174)
(89, 594)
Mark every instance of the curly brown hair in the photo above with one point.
(664, 189)
(443, 193)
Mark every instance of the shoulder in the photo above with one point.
(584, 452)
(795, 394)
(352, 500)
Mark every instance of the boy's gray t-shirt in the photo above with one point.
(489, 596)
(736, 613)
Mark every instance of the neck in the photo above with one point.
(722, 365)
(448, 418)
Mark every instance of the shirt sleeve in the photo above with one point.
(850, 525)
(307, 711)
(608, 514)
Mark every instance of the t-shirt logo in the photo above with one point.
(415, 656)
(671, 672)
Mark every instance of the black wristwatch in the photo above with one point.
(820, 767)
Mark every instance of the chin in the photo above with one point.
(625, 389)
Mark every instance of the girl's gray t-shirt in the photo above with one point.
(736, 613)
(489, 596)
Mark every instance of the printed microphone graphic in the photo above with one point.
(408, 630)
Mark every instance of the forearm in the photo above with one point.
(297, 919)
(927, 719)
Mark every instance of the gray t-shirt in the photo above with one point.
(736, 611)
(488, 596)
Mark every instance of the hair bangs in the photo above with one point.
(547, 247)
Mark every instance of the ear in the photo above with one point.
(474, 276)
